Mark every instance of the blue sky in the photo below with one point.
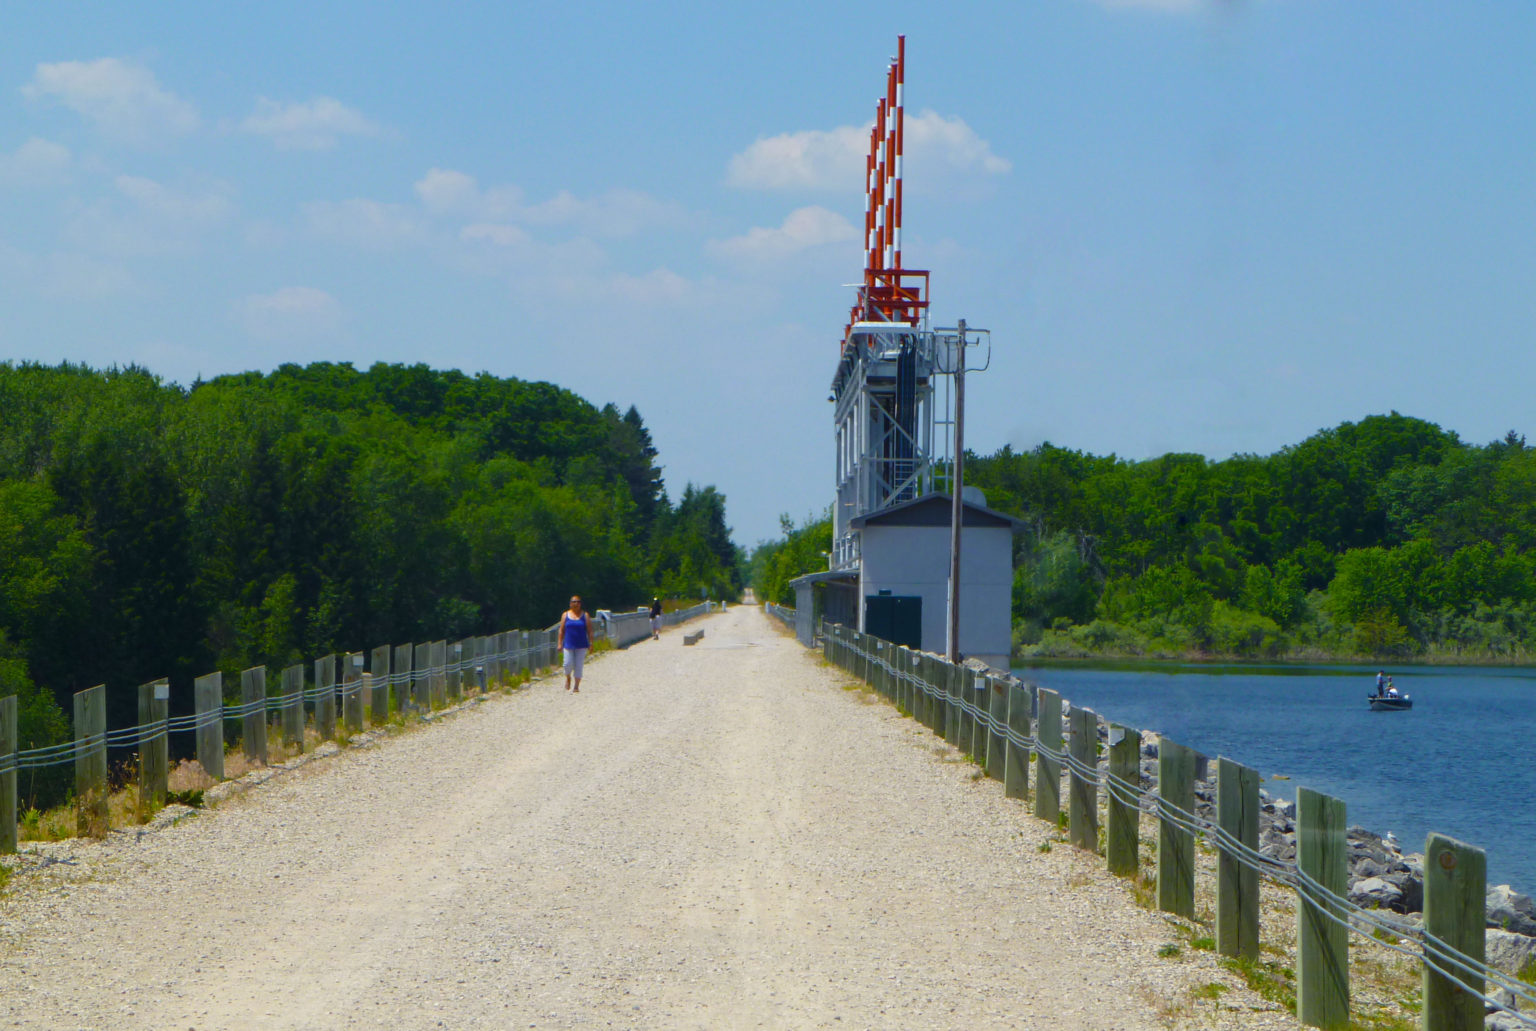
(1211, 227)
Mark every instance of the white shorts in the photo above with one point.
(574, 658)
(655, 624)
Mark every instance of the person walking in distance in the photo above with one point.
(655, 619)
(575, 639)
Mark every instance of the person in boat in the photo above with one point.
(1381, 683)
(1391, 690)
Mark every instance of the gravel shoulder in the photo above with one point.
(720, 836)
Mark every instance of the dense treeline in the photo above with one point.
(803, 549)
(1386, 537)
(149, 530)
(1389, 536)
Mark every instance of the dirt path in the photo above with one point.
(707, 837)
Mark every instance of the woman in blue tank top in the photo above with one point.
(575, 639)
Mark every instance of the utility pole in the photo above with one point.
(957, 510)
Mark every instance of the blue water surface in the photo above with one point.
(1462, 762)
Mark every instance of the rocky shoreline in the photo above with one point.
(1383, 877)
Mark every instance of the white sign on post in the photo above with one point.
(163, 691)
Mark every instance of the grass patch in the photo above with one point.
(1169, 951)
(1527, 973)
(1144, 890)
(1045, 846)
(1269, 981)
(1209, 992)
(1205, 943)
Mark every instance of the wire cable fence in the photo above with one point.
(1458, 985)
(399, 685)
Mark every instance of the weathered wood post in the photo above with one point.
(920, 702)
(1455, 886)
(154, 745)
(997, 740)
(980, 732)
(439, 674)
(1016, 759)
(91, 761)
(325, 697)
(1322, 942)
(352, 693)
(378, 697)
(949, 676)
(1047, 767)
(1237, 884)
(456, 671)
(1175, 845)
(293, 706)
(402, 678)
(9, 745)
(208, 704)
(965, 693)
(253, 725)
(421, 688)
(1122, 830)
(1083, 788)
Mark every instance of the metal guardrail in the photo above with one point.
(419, 678)
(1458, 984)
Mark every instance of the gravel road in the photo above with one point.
(718, 836)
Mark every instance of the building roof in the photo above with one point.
(851, 575)
(936, 510)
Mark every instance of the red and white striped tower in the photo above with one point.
(889, 293)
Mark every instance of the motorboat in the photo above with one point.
(1389, 703)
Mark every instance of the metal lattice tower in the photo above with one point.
(889, 360)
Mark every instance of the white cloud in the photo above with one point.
(615, 213)
(294, 312)
(310, 125)
(803, 229)
(365, 223)
(35, 163)
(123, 99)
(834, 159)
(814, 159)
(150, 218)
(499, 233)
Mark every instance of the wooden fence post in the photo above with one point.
(1322, 943)
(439, 679)
(980, 732)
(1237, 884)
(1016, 758)
(421, 687)
(1175, 846)
(325, 697)
(293, 706)
(8, 747)
(456, 671)
(1122, 831)
(1083, 789)
(253, 727)
(1048, 768)
(1455, 886)
(402, 677)
(965, 692)
(208, 704)
(997, 739)
(378, 697)
(91, 761)
(949, 681)
(154, 750)
(351, 693)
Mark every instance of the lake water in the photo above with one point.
(1462, 762)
